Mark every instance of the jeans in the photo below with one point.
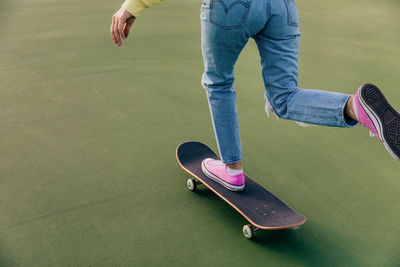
(226, 26)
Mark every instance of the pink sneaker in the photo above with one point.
(374, 112)
(216, 170)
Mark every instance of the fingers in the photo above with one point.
(128, 25)
(127, 29)
(116, 33)
(120, 26)
(112, 31)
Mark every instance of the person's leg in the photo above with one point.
(226, 26)
(225, 32)
(222, 40)
(278, 44)
(221, 48)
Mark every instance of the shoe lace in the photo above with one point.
(216, 163)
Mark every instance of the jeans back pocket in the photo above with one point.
(292, 13)
(229, 14)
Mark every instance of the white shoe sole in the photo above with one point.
(377, 123)
(220, 181)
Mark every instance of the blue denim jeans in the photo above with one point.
(226, 26)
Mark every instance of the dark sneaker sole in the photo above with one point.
(385, 118)
(218, 180)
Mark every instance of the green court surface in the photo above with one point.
(88, 174)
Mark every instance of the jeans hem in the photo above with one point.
(346, 123)
(233, 161)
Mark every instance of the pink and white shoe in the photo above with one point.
(217, 171)
(374, 112)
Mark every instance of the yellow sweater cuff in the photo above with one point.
(135, 7)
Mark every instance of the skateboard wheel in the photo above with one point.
(248, 231)
(191, 184)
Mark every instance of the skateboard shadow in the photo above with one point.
(308, 245)
(299, 245)
(5, 257)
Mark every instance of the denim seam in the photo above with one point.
(268, 9)
(341, 113)
(314, 115)
(244, 19)
(205, 10)
(289, 15)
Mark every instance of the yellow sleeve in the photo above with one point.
(135, 7)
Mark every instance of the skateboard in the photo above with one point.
(257, 205)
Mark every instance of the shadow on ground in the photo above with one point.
(5, 259)
(306, 244)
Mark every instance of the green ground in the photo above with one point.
(88, 175)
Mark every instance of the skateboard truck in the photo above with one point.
(192, 184)
(248, 229)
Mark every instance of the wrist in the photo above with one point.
(134, 7)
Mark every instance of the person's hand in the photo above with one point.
(121, 25)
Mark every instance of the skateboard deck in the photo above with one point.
(259, 206)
